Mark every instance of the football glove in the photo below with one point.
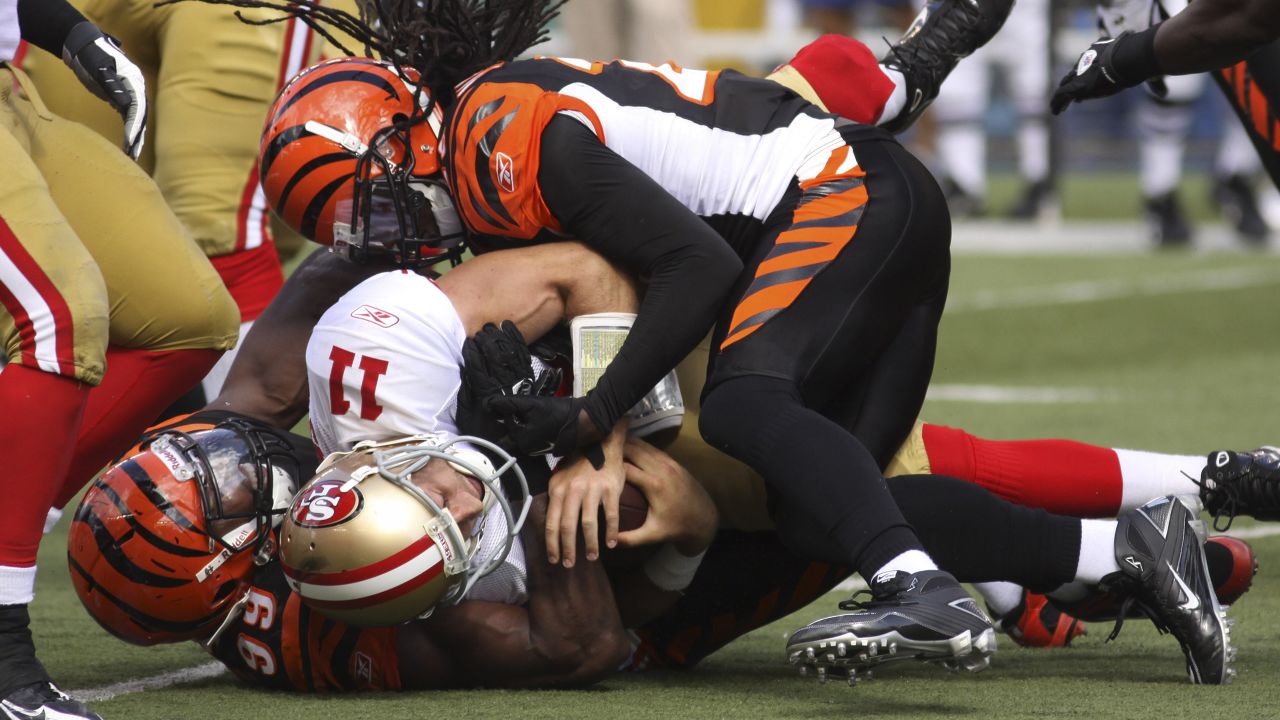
(496, 363)
(101, 67)
(539, 425)
(1094, 76)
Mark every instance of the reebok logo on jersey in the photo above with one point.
(369, 313)
(504, 172)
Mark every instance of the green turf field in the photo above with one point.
(1137, 351)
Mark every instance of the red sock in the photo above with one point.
(42, 414)
(1061, 476)
(846, 77)
(137, 387)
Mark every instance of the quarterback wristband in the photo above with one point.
(1134, 58)
(671, 570)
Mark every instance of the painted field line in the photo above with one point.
(153, 682)
(1088, 291)
(1003, 394)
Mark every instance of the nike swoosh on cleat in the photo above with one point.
(1193, 602)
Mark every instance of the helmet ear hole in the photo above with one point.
(224, 591)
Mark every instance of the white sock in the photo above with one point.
(1146, 476)
(17, 585)
(51, 519)
(1236, 155)
(898, 100)
(1163, 140)
(911, 561)
(963, 148)
(1002, 597)
(1033, 149)
(1097, 551)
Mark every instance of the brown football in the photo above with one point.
(633, 508)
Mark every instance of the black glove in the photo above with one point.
(496, 363)
(540, 425)
(106, 71)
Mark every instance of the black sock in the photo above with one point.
(979, 537)
(18, 663)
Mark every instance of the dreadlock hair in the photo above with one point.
(445, 41)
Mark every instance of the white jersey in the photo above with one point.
(10, 33)
(383, 363)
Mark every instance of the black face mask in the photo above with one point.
(410, 220)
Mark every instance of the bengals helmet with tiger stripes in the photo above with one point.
(350, 158)
(164, 544)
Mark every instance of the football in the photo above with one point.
(633, 508)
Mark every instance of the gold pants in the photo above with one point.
(210, 79)
(89, 252)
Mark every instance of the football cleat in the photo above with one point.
(943, 32)
(1241, 483)
(1164, 574)
(911, 616)
(1038, 623)
(43, 701)
(1232, 565)
(1166, 222)
(1239, 203)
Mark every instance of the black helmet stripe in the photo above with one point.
(148, 488)
(310, 166)
(311, 215)
(109, 549)
(146, 621)
(363, 76)
(278, 143)
(126, 514)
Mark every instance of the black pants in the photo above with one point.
(748, 580)
(1252, 88)
(819, 393)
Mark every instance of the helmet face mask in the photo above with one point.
(246, 476)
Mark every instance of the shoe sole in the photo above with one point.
(857, 656)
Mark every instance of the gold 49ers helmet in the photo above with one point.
(164, 543)
(363, 544)
(350, 158)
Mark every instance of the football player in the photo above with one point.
(736, 200)
(409, 322)
(99, 331)
(1235, 42)
(210, 79)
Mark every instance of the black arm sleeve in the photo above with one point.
(610, 204)
(46, 23)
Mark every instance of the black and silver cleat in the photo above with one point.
(911, 616)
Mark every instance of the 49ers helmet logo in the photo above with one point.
(326, 504)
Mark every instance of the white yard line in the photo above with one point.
(154, 682)
(1003, 394)
(1088, 291)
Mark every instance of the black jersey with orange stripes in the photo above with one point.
(278, 642)
(727, 146)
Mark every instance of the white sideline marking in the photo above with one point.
(154, 682)
(998, 394)
(1097, 290)
(1259, 531)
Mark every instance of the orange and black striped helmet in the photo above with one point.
(165, 542)
(350, 158)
